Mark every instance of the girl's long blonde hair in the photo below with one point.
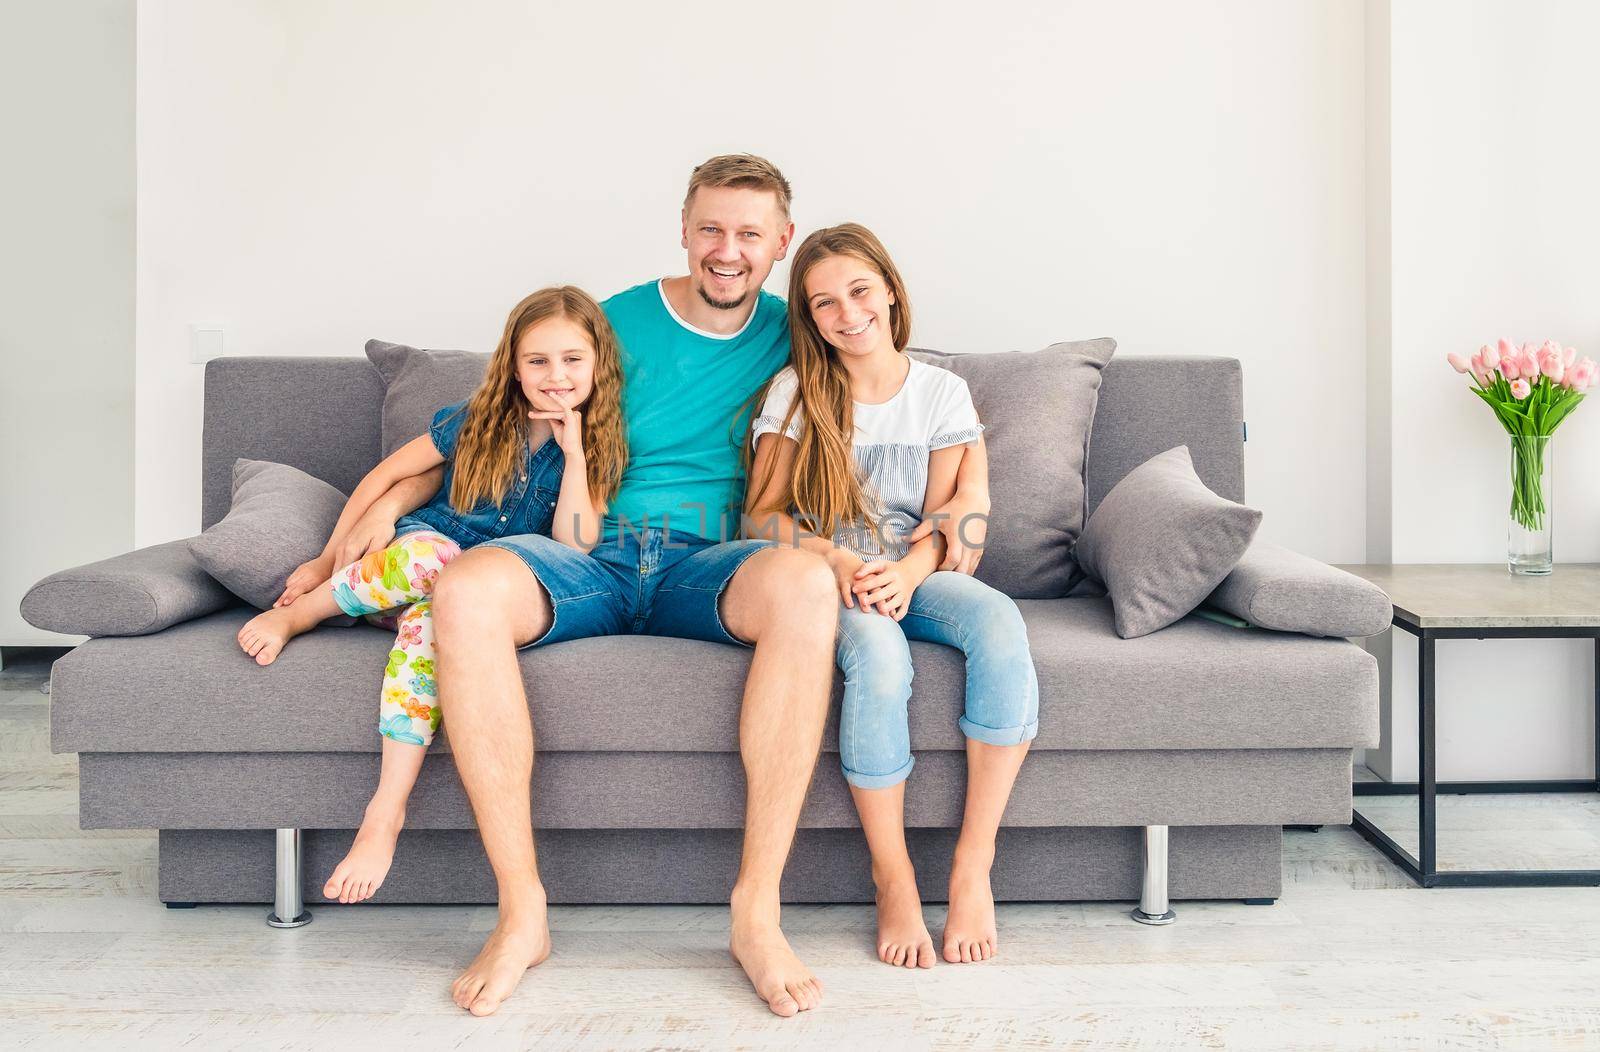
(493, 443)
(824, 488)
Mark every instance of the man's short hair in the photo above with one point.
(744, 170)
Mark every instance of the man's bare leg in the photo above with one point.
(783, 600)
(485, 605)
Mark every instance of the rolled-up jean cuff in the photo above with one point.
(878, 781)
(999, 735)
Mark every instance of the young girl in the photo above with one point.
(860, 442)
(518, 459)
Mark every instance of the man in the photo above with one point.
(696, 349)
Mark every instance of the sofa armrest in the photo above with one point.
(127, 595)
(1273, 587)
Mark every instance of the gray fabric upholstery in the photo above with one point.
(698, 866)
(1274, 587)
(317, 414)
(281, 517)
(419, 383)
(681, 790)
(1151, 403)
(127, 595)
(1232, 732)
(1038, 407)
(1161, 542)
(1197, 685)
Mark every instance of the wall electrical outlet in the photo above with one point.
(205, 342)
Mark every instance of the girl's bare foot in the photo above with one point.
(266, 634)
(361, 872)
(903, 938)
(520, 941)
(969, 932)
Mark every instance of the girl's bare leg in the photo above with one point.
(361, 872)
(266, 634)
(903, 938)
(969, 932)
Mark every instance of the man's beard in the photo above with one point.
(720, 304)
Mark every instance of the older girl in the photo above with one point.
(519, 458)
(858, 442)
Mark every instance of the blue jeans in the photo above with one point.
(1002, 705)
(649, 582)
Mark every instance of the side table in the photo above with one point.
(1472, 601)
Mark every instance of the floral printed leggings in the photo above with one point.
(392, 589)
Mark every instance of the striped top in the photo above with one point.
(932, 410)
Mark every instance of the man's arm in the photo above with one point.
(964, 519)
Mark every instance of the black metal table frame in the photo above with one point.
(1425, 871)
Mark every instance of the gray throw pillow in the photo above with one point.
(1038, 407)
(280, 518)
(419, 384)
(1161, 542)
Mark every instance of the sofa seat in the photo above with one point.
(1196, 685)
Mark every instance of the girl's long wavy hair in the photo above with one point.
(493, 443)
(824, 489)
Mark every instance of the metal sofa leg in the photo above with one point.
(288, 906)
(1153, 906)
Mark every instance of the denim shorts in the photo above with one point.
(647, 582)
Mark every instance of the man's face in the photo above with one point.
(733, 235)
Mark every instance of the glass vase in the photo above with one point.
(1528, 531)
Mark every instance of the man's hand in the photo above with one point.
(371, 533)
(886, 587)
(964, 522)
(306, 576)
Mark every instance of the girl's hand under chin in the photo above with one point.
(565, 424)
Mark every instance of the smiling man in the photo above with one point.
(696, 349)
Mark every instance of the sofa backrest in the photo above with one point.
(1150, 403)
(322, 416)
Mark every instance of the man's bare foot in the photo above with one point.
(520, 941)
(361, 872)
(903, 938)
(969, 931)
(266, 634)
(758, 945)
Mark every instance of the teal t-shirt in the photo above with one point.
(687, 397)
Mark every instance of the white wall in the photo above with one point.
(1495, 218)
(1186, 178)
(66, 294)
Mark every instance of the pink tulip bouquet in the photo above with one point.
(1531, 390)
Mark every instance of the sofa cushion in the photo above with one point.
(127, 595)
(1039, 409)
(280, 518)
(419, 383)
(1274, 587)
(1197, 685)
(1161, 542)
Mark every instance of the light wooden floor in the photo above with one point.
(1351, 957)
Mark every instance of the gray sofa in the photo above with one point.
(1165, 765)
